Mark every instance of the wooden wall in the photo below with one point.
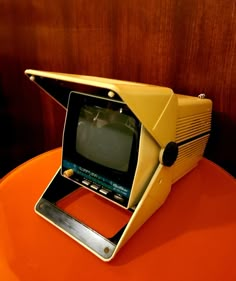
(189, 46)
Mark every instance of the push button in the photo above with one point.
(104, 191)
(86, 182)
(94, 186)
(119, 198)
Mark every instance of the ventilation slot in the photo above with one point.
(191, 126)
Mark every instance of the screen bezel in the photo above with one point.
(76, 101)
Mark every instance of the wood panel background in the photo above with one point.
(188, 46)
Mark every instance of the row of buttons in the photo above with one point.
(102, 190)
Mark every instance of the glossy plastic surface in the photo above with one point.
(191, 237)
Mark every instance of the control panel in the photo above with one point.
(97, 183)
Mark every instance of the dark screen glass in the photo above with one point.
(105, 136)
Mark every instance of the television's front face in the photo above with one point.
(101, 143)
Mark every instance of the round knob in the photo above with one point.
(68, 173)
(170, 154)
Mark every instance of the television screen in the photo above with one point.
(105, 136)
(101, 145)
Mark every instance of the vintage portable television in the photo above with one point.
(125, 142)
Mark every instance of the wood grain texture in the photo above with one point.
(189, 46)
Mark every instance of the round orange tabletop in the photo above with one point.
(191, 237)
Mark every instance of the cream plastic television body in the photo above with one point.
(175, 130)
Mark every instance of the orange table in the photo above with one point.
(192, 237)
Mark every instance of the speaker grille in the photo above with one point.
(191, 126)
